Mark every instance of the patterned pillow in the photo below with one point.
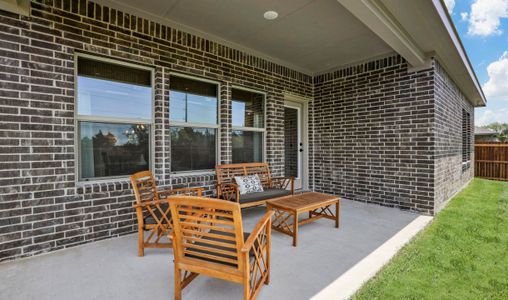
(249, 184)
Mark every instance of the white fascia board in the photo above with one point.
(379, 20)
(452, 32)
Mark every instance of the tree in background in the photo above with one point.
(501, 129)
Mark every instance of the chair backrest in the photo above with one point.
(207, 232)
(226, 173)
(144, 186)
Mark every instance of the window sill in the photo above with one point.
(193, 173)
(103, 185)
(103, 180)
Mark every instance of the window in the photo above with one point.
(114, 117)
(248, 122)
(466, 137)
(194, 124)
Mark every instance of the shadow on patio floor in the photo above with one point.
(110, 269)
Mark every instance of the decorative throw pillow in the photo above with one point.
(249, 184)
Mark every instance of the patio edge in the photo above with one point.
(352, 280)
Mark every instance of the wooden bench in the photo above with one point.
(274, 187)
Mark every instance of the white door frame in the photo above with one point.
(304, 102)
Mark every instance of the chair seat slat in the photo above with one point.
(211, 257)
(191, 225)
(211, 242)
(207, 220)
(214, 250)
(208, 234)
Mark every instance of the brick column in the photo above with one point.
(225, 123)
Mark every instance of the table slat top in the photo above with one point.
(303, 201)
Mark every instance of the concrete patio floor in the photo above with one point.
(110, 269)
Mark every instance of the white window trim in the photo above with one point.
(112, 120)
(215, 126)
(252, 129)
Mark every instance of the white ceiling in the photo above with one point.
(309, 35)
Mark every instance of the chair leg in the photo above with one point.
(141, 242)
(268, 247)
(178, 282)
(246, 290)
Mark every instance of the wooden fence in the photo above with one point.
(491, 160)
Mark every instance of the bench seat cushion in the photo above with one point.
(264, 195)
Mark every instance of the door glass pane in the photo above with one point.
(192, 148)
(291, 141)
(247, 109)
(113, 149)
(247, 146)
(105, 98)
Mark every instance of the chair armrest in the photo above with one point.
(264, 224)
(228, 191)
(284, 183)
(191, 191)
(147, 203)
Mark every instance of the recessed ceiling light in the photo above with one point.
(270, 15)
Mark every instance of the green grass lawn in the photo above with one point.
(463, 254)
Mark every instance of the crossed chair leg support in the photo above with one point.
(160, 229)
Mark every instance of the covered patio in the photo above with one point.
(370, 102)
(111, 269)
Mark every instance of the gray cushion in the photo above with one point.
(264, 195)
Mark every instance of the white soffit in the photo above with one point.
(21, 7)
(314, 36)
(310, 36)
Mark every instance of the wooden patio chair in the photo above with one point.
(208, 239)
(152, 210)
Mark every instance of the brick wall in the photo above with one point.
(373, 134)
(371, 130)
(42, 207)
(450, 173)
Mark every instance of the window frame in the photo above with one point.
(244, 128)
(215, 126)
(466, 139)
(111, 120)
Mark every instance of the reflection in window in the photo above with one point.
(192, 101)
(98, 97)
(247, 109)
(109, 96)
(247, 146)
(192, 148)
(113, 149)
(193, 117)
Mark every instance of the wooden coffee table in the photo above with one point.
(288, 208)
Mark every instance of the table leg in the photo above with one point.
(295, 229)
(337, 213)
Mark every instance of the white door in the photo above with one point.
(294, 145)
